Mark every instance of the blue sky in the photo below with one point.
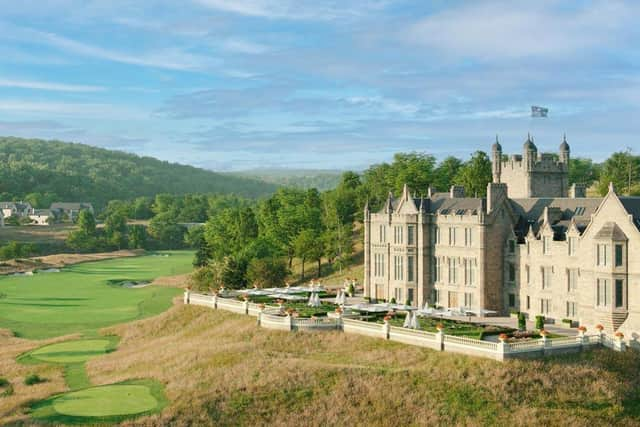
(239, 84)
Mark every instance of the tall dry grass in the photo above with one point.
(221, 369)
(13, 408)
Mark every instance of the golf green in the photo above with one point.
(107, 403)
(81, 299)
(72, 351)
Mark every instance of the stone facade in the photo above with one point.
(533, 244)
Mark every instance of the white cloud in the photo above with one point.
(55, 87)
(296, 9)
(491, 30)
(18, 107)
(245, 46)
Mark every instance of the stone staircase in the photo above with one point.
(613, 320)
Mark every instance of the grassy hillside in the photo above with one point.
(77, 172)
(222, 369)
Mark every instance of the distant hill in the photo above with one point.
(77, 172)
(321, 179)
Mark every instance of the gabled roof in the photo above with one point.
(531, 213)
(632, 206)
(611, 231)
(65, 206)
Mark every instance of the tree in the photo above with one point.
(137, 236)
(166, 231)
(230, 231)
(307, 246)
(623, 170)
(229, 272)
(87, 223)
(116, 229)
(267, 272)
(446, 173)
(475, 174)
(582, 171)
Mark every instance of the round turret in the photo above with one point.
(529, 145)
(564, 146)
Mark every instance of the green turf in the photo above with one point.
(80, 299)
(108, 403)
(71, 351)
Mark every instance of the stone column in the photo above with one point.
(618, 342)
(386, 328)
(214, 301)
(187, 296)
(440, 337)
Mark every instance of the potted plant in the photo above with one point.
(387, 318)
(566, 323)
(582, 329)
(503, 337)
(440, 327)
(514, 314)
(619, 335)
(539, 322)
(599, 328)
(544, 333)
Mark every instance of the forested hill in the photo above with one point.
(61, 171)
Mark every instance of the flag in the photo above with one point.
(539, 111)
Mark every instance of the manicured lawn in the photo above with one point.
(80, 299)
(453, 327)
(72, 351)
(108, 403)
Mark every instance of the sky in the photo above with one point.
(337, 84)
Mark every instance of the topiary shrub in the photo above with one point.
(6, 389)
(522, 322)
(393, 301)
(539, 322)
(34, 379)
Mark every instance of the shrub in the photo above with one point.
(34, 379)
(393, 301)
(539, 322)
(6, 389)
(522, 322)
(566, 321)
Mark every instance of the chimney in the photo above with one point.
(456, 192)
(430, 192)
(578, 191)
(495, 192)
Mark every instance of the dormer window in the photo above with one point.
(546, 245)
(602, 257)
(572, 242)
(619, 259)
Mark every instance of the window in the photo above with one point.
(437, 235)
(469, 265)
(378, 265)
(436, 296)
(468, 299)
(452, 236)
(602, 294)
(546, 245)
(572, 280)
(544, 306)
(527, 273)
(619, 252)
(546, 277)
(383, 234)
(437, 275)
(468, 236)
(512, 272)
(410, 296)
(619, 293)
(410, 268)
(397, 234)
(397, 294)
(601, 255)
(512, 246)
(398, 267)
(528, 302)
(572, 241)
(512, 300)
(411, 232)
(452, 270)
(528, 248)
(572, 311)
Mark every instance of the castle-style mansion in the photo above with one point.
(534, 244)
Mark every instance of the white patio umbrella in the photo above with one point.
(343, 298)
(317, 300)
(337, 301)
(407, 320)
(311, 300)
